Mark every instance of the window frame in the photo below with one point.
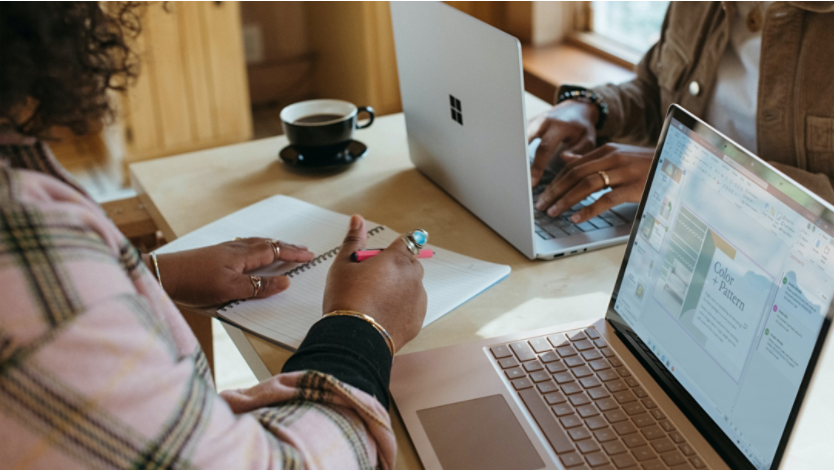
(582, 36)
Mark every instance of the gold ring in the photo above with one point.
(256, 284)
(276, 247)
(605, 180)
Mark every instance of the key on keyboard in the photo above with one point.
(593, 411)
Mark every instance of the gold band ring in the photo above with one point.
(605, 180)
(256, 284)
(276, 247)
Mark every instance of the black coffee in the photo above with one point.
(314, 118)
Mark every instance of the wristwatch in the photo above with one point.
(578, 93)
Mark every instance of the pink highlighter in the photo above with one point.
(362, 255)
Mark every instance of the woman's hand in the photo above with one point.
(387, 287)
(627, 167)
(217, 274)
(570, 125)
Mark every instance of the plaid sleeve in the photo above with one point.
(99, 370)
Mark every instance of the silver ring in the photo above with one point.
(411, 246)
(420, 237)
(415, 240)
(256, 284)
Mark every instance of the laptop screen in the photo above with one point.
(728, 282)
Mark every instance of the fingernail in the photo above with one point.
(301, 247)
(355, 223)
(574, 218)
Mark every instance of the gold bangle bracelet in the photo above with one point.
(156, 267)
(377, 326)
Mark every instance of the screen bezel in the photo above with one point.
(722, 444)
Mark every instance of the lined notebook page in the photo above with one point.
(450, 279)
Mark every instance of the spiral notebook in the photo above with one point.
(450, 279)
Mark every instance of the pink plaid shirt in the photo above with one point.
(98, 369)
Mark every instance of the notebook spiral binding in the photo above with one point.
(304, 267)
(312, 263)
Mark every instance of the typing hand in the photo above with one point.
(387, 287)
(627, 167)
(216, 274)
(569, 125)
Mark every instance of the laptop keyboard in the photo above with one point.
(557, 227)
(589, 406)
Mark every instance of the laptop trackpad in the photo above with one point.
(480, 434)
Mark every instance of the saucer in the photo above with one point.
(354, 151)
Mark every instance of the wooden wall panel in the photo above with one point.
(192, 91)
(383, 80)
(227, 69)
(195, 59)
(284, 73)
(138, 108)
(167, 77)
(336, 30)
(354, 46)
(492, 13)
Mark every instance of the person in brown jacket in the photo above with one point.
(760, 72)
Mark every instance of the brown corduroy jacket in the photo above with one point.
(795, 110)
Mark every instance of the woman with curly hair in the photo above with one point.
(98, 369)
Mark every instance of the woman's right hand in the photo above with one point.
(387, 287)
(569, 127)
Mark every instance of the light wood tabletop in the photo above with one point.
(188, 191)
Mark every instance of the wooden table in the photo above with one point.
(186, 192)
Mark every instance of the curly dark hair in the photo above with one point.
(59, 59)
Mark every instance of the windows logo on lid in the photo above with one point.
(457, 112)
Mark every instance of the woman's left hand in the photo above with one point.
(217, 274)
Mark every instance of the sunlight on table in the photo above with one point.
(589, 306)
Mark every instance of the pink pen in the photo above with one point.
(362, 255)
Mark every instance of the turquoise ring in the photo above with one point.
(415, 240)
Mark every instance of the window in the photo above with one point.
(620, 31)
(635, 25)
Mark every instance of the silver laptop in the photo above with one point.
(713, 331)
(462, 89)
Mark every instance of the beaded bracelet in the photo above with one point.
(581, 94)
(377, 326)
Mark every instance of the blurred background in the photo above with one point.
(217, 73)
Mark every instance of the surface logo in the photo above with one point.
(457, 112)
